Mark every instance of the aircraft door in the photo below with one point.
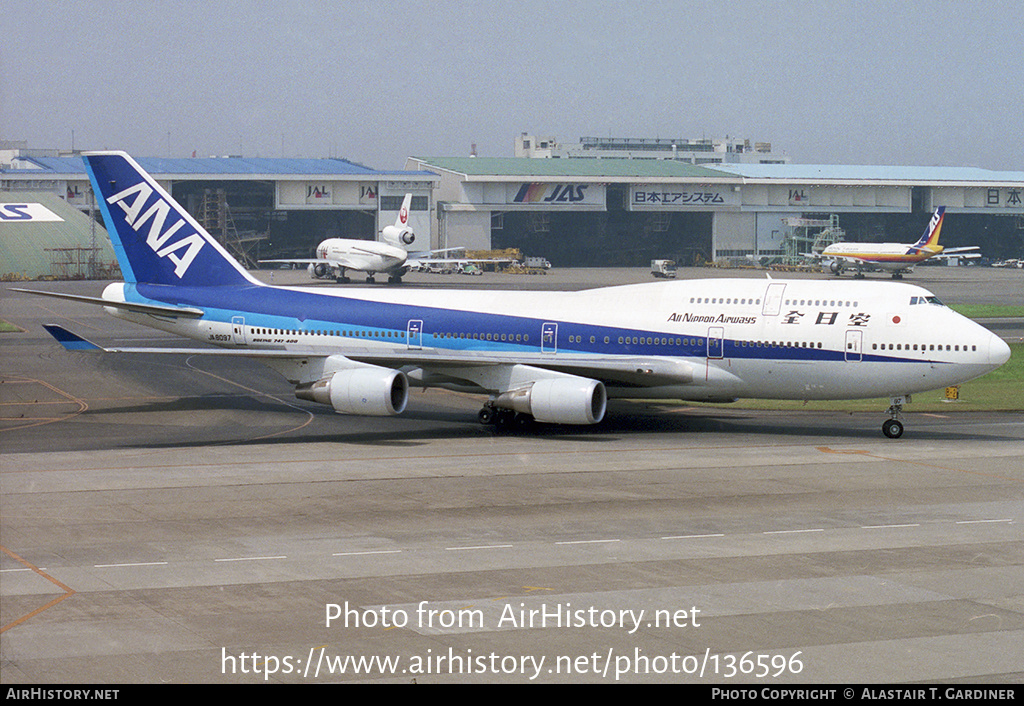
(773, 299)
(414, 334)
(238, 330)
(854, 345)
(716, 342)
(549, 337)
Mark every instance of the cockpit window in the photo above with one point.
(931, 299)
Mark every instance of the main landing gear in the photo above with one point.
(893, 427)
(505, 419)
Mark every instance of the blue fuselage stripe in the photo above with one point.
(454, 329)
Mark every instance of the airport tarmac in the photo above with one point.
(188, 520)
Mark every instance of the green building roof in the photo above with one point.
(523, 167)
(59, 247)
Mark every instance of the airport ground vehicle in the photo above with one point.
(663, 268)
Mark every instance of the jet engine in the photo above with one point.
(321, 270)
(368, 390)
(395, 235)
(561, 400)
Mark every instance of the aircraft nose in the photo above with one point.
(998, 351)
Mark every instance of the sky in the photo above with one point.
(879, 82)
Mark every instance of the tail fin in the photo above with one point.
(930, 239)
(400, 234)
(155, 239)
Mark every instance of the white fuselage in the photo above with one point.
(885, 256)
(362, 255)
(695, 340)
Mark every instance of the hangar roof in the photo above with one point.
(525, 167)
(499, 169)
(881, 174)
(224, 167)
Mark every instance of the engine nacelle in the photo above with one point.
(366, 390)
(320, 270)
(393, 235)
(568, 400)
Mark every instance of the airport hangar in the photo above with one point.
(625, 212)
(260, 208)
(573, 211)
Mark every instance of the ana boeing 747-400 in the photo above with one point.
(553, 357)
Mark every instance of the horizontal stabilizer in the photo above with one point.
(70, 341)
(182, 312)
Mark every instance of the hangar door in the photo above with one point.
(468, 229)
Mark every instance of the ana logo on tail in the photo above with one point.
(158, 239)
(155, 239)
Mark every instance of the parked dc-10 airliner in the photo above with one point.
(554, 357)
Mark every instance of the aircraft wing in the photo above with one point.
(299, 261)
(443, 257)
(490, 372)
(848, 259)
(424, 262)
(73, 342)
(179, 312)
(348, 261)
(443, 252)
(479, 368)
(959, 256)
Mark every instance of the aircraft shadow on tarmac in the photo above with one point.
(273, 424)
(263, 411)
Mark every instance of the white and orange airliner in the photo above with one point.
(896, 258)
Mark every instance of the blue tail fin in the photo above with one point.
(156, 240)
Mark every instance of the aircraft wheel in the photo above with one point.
(522, 422)
(486, 416)
(892, 428)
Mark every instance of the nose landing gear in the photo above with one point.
(893, 427)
